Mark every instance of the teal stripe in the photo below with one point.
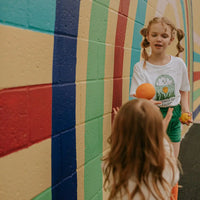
(95, 100)
(33, 14)
(185, 30)
(137, 37)
(196, 57)
(196, 94)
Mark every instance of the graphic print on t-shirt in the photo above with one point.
(165, 89)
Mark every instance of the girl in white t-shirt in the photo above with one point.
(167, 73)
(140, 164)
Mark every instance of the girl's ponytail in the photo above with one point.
(180, 36)
(144, 44)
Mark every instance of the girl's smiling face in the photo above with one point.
(159, 37)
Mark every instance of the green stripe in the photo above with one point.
(196, 94)
(46, 195)
(95, 100)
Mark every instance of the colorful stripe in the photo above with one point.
(46, 195)
(196, 76)
(185, 30)
(31, 53)
(196, 94)
(137, 37)
(196, 57)
(187, 14)
(33, 15)
(32, 165)
(95, 100)
(196, 112)
(64, 178)
(193, 57)
(25, 117)
(63, 111)
(191, 42)
(119, 52)
(188, 37)
(81, 76)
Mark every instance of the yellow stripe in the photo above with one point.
(108, 76)
(127, 53)
(109, 68)
(81, 77)
(196, 67)
(196, 85)
(80, 155)
(26, 172)
(25, 56)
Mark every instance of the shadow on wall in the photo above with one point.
(190, 159)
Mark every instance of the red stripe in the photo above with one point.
(119, 52)
(196, 76)
(25, 117)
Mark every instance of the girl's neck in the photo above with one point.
(159, 59)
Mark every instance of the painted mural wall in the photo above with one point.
(64, 64)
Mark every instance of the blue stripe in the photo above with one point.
(64, 177)
(185, 30)
(137, 37)
(196, 57)
(196, 112)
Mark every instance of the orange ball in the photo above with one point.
(185, 117)
(145, 91)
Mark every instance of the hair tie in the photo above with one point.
(143, 32)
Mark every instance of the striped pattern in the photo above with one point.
(137, 38)
(119, 52)
(95, 100)
(64, 177)
(69, 63)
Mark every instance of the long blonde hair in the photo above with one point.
(136, 150)
(145, 31)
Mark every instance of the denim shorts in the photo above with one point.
(174, 127)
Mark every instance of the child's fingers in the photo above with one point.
(155, 102)
(115, 110)
(189, 121)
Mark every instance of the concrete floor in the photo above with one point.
(190, 159)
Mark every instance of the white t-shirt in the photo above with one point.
(167, 79)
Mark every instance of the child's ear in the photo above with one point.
(171, 40)
(147, 37)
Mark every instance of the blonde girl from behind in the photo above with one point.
(140, 164)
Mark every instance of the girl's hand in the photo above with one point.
(134, 95)
(167, 118)
(153, 101)
(115, 111)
